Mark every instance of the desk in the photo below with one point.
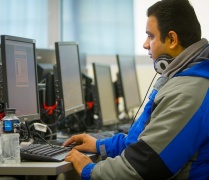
(35, 168)
(40, 168)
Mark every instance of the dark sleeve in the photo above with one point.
(146, 161)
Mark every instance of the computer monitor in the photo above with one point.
(46, 59)
(43, 70)
(68, 84)
(128, 81)
(105, 91)
(19, 78)
(45, 56)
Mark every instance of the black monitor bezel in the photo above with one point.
(120, 71)
(59, 77)
(114, 120)
(43, 70)
(4, 38)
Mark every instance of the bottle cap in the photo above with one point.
(10, 110)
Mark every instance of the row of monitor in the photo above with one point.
(126, 87)
(19, 81)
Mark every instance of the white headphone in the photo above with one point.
(162, 62)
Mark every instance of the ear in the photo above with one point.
(174, 41)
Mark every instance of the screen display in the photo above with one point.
(69, 76)
(19, 77)
(104, 85)
(129, 82)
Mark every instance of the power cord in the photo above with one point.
(143, 100)
(28, 132)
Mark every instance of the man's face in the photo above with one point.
(153, 43)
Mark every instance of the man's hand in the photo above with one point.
(78, 159)
(85, 143)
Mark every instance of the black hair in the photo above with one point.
(178, 16)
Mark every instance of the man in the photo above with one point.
(171, 137)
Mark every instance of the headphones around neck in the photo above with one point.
(162, 62)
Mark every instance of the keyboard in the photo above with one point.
(44, 152)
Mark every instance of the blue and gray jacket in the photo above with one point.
(170, 139)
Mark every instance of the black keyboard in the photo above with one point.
(44, 152)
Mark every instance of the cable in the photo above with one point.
(24, 132)
(55, 116)
(35, 131)
(143, 100)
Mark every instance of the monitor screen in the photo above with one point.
(128, 81)
(46, 59)
(45, 56)
(68, 77)
(106, 96)
(19, 76)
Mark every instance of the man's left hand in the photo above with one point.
(78, 159)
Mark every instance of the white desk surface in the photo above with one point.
(38, 168)
(35, 168)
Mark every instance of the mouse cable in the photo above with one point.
(143, 100)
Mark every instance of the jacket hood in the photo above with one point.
(201, 67)
(193, 61)
(185, 58)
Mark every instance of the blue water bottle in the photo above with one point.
(10, 137)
